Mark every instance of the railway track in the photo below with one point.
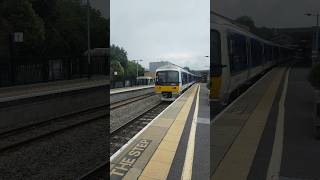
(131, 100)
(23, 135)
(121, 136)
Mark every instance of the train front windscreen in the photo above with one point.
(169, 78)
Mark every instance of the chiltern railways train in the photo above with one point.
(237, 56)
(172, 81)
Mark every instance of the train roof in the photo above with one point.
(173, 67)
(231, 25)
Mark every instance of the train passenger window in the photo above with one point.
(268, 52)
(215, 53)
(237, 46)
(184, 78)
(256, 53)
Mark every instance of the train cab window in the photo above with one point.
(167, 77)
(161, 77)
(215, 53)
(173, 77)
(237, 47)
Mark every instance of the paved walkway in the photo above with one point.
(238, 130)
(120, 90)
(273, 139)
(175, 145)
(24, 91)
(301, 151)
(150, 155)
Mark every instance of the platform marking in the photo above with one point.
(122, 168)
(237, 162)
(188, 161)
(217, 117)
(276, 156)
(159, 165)
(116, 154)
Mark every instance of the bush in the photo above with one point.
(314, 76)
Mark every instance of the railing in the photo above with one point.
(29, 70)
(123, 83)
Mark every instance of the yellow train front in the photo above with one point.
(172, 81)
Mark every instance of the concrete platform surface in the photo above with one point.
(236, 132)
(126, 89)
(40, 89)
(151, 154)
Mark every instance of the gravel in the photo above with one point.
(67, 155)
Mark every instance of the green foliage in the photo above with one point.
(187, 68)
(21, 17)
(262, 32)
(314, 76)
(116, 67)
(131, 70)
(119, 55)
(55, 27)
(247, 21)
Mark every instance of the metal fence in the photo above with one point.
(29, 70)
(123, 83)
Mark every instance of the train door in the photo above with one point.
(249, 57)
(215, 64)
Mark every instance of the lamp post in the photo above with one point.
(137, 61)
(316, 59)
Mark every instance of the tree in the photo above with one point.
(131, 70)
(247, 21)
(118, 54)
(262, 32)
(21, 17)
(55, 28)
(115, 66)
(187, 68)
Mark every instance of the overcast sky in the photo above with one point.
(270, 13)
(169, 30)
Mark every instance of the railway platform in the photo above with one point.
(40, 89)
(171, 145)
(126, 89)
(266, 133)
(50, 100)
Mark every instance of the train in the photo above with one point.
(171, 81)
(237, 56)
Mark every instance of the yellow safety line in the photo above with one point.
(159, 165)
(188, 162)
(238, 160)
